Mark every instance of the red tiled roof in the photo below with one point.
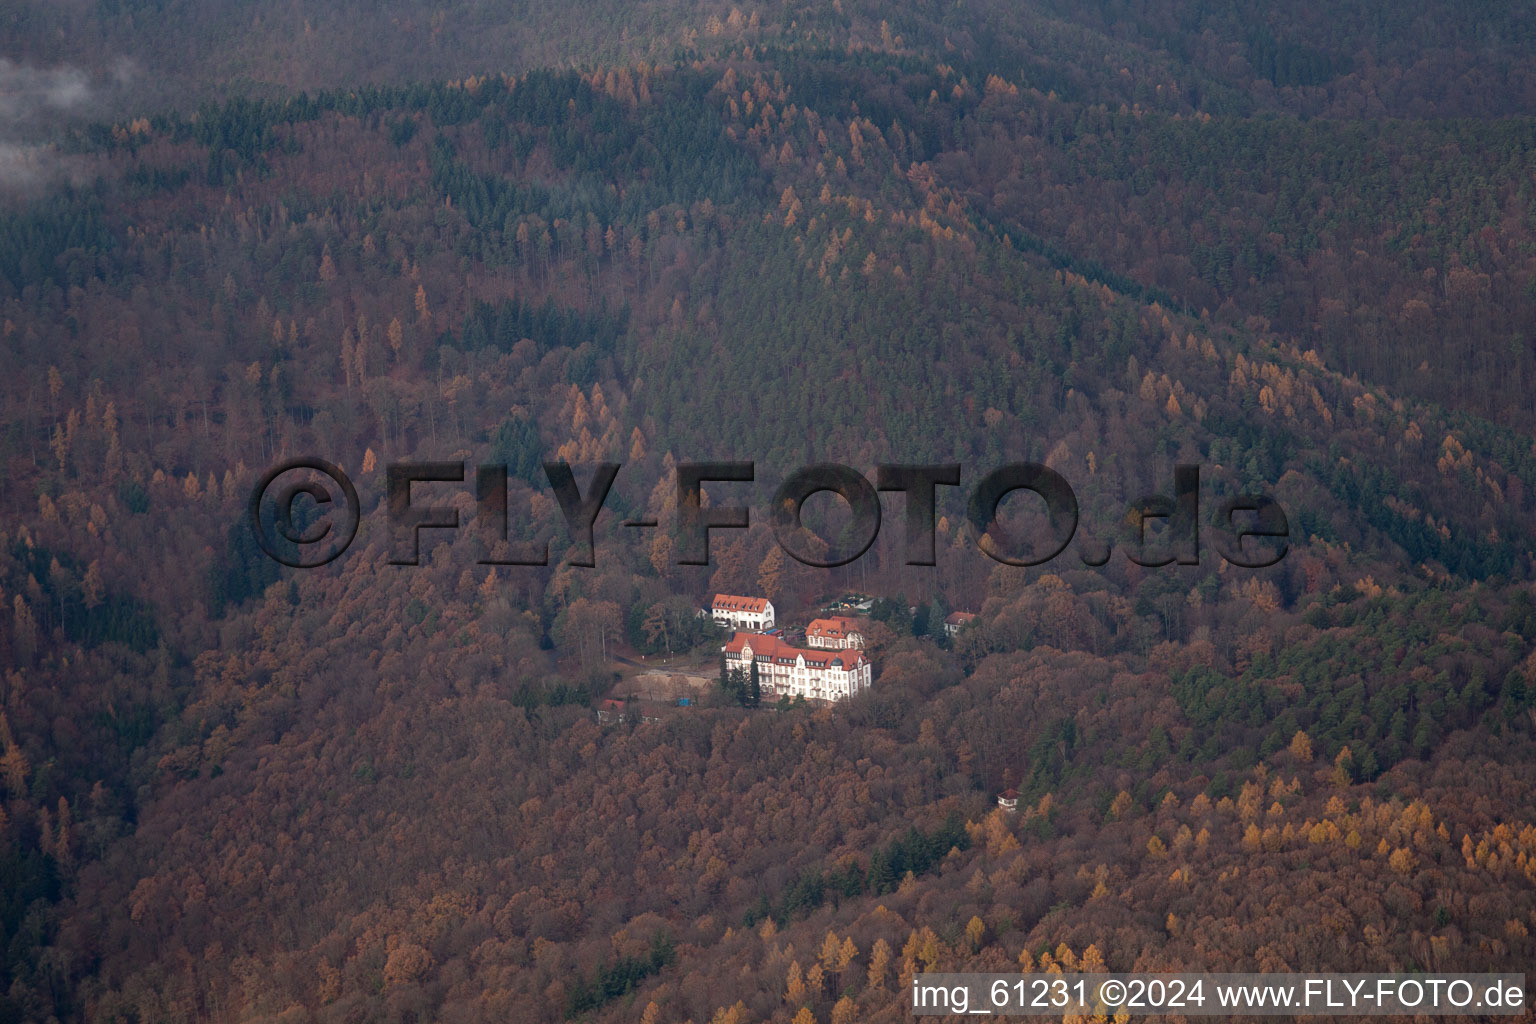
(834, 628)
(776, 650)
(733, 603)
(959, 618)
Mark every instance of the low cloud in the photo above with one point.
(29, 94)
(35, 102)
(24, 167)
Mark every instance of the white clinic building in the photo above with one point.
(784, 670)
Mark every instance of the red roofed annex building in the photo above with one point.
(834, 633)
(742, 612)
(783, 670)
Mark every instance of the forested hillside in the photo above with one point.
(1296, 252)
(1361, 58)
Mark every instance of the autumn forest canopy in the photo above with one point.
(1292, 244)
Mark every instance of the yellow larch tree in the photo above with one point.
(1301, 747)
(879, 961)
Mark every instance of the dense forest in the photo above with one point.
(1293, 247)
